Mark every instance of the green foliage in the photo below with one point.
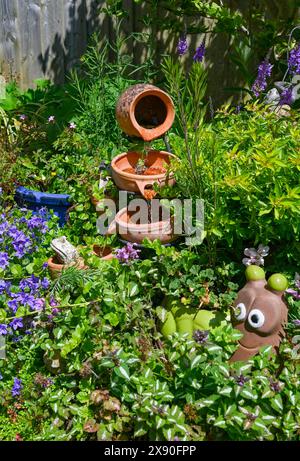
(96, 94)
(100, 370)
(248, 165)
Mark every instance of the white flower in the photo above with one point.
(256, 256)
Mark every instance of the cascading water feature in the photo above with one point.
(145, 112)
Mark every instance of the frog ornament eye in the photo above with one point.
(256, 318)
(239, 311)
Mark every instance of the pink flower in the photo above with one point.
(72, 126)
(51, 119)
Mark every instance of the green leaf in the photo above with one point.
(248, 393)
(133, 289)
(277, 404)
(112, 318)
(123, 371)
(195, 361)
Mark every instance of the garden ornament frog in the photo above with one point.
(260, 313)
(66, 253)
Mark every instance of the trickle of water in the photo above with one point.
(147, 148)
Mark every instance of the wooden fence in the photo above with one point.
(45, 38)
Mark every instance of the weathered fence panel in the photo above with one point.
(45, 38)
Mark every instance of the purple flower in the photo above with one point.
(295, 293)
(23, 117)
(296, 322)
(201, 336)
(55, 311)
(52, 302)
(182, 46)
(3, 329)
(5, 287)
(39, 304)
(4, 260)
(47, 382)
(32, 283)
(127, 253)
(200, 52)
(241, 380)
(256, 257)
(264, 71)
(275, 386)
(45, 284)
(286, 97)
(45, 265)
(13, 305)
(16, 323)
(17, 387)
(294, 60)
(36, 222)
(1, 191)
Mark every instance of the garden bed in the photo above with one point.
(141, 340)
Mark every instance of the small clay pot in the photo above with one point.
(145, 111)
(136, 233)
(56, 268)
(105, 253)
(124, 176)
(97, 204)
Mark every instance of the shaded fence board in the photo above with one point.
(43, 38)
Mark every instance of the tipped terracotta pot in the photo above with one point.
(156, 162)
(136, 233)
(145, 111)
(56, 268)
(105, 253)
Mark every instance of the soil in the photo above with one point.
(148, 172)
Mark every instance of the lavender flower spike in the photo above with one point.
(200, 52)
(294, 61)
(182, 46)
(286, 97)
(264, 71)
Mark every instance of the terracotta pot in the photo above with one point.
(101, 210)
(136, 233)
(145, 111)
(105, 253)
(155, 161)
(56, 268)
